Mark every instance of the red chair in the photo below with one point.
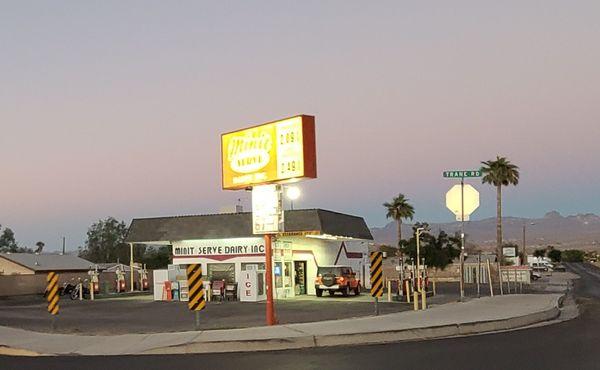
(217, 289)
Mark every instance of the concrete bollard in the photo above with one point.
(423, 299)
(433, 284)
(407, 284)
(389, 291)
(415, 300)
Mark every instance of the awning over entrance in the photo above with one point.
(315, 222)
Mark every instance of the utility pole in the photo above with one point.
(523, 252)
(418, 232)
(63, 246)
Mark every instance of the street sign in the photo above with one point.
(376, 274)
(454, 201)
(52, 295)
(267, 209)
(196, 300)
(461, 174)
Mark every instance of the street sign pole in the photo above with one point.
(459, 209)
(462, 238)
(269, 279)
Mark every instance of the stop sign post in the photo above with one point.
(462, 200)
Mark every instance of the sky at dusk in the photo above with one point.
(116, 108)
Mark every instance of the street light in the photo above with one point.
(524, 246)
(293, 193)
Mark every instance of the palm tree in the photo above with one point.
(499, 172)
(399, 209)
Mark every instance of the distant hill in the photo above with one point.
(578, 231)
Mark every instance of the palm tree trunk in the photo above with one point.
(399, 232)
(499, 222)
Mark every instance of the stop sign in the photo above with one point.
(471, 201)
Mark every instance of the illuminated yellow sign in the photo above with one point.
(274, 152)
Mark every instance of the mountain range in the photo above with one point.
(563, 232)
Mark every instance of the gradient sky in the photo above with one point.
(115, 108)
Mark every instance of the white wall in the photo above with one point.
(316, 252)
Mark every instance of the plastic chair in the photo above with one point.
(218, 289)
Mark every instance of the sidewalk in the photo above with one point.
(475, 316)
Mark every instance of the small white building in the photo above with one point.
(225, 246)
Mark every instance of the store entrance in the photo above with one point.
(299, 277)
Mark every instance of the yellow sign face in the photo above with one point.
(271, 153)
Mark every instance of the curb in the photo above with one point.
(310, 341)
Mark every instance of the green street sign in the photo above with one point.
(462, 174)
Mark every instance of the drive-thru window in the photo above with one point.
(223, 244)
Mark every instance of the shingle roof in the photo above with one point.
(48, 262)
(239, 225)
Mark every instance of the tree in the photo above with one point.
(106, 242)
(399, 209)
(539, 253)
(499, 173)
(438, 251)
(8, 242)
(157, 257)
(554, 254)
(572, 255)
(40, 246)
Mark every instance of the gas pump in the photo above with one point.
(94, 285)
(120, 280)
(144, 278)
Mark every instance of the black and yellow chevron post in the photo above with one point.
(196, 300)
(52, 293)
(376, 272)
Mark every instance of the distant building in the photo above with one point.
(31, 263)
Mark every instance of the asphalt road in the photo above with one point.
(142, 315)
(568, 345)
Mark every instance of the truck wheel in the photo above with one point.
(331, 292)
(345, 291)
(319, 292)
(357, 290)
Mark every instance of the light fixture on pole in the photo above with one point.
(293, 193)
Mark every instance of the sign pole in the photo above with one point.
(462, 238)
(269, 279)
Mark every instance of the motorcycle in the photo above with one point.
(85, 292)
(66, 289)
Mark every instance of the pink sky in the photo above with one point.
(116, 108)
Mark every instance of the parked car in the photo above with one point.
(336, 279)
(535, 275)
(559, 268)
(539, 267)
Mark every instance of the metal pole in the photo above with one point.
(500, 277)
(269, 279)
(523, 252)
(376, 306)
(477, 276)
(490, 279)
(131, 265)
(197, 319)
(418, 274)
(462, 238)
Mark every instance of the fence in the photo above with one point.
(11, 285)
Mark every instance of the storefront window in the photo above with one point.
(278, 275)
(221, 271)
(259, 265)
